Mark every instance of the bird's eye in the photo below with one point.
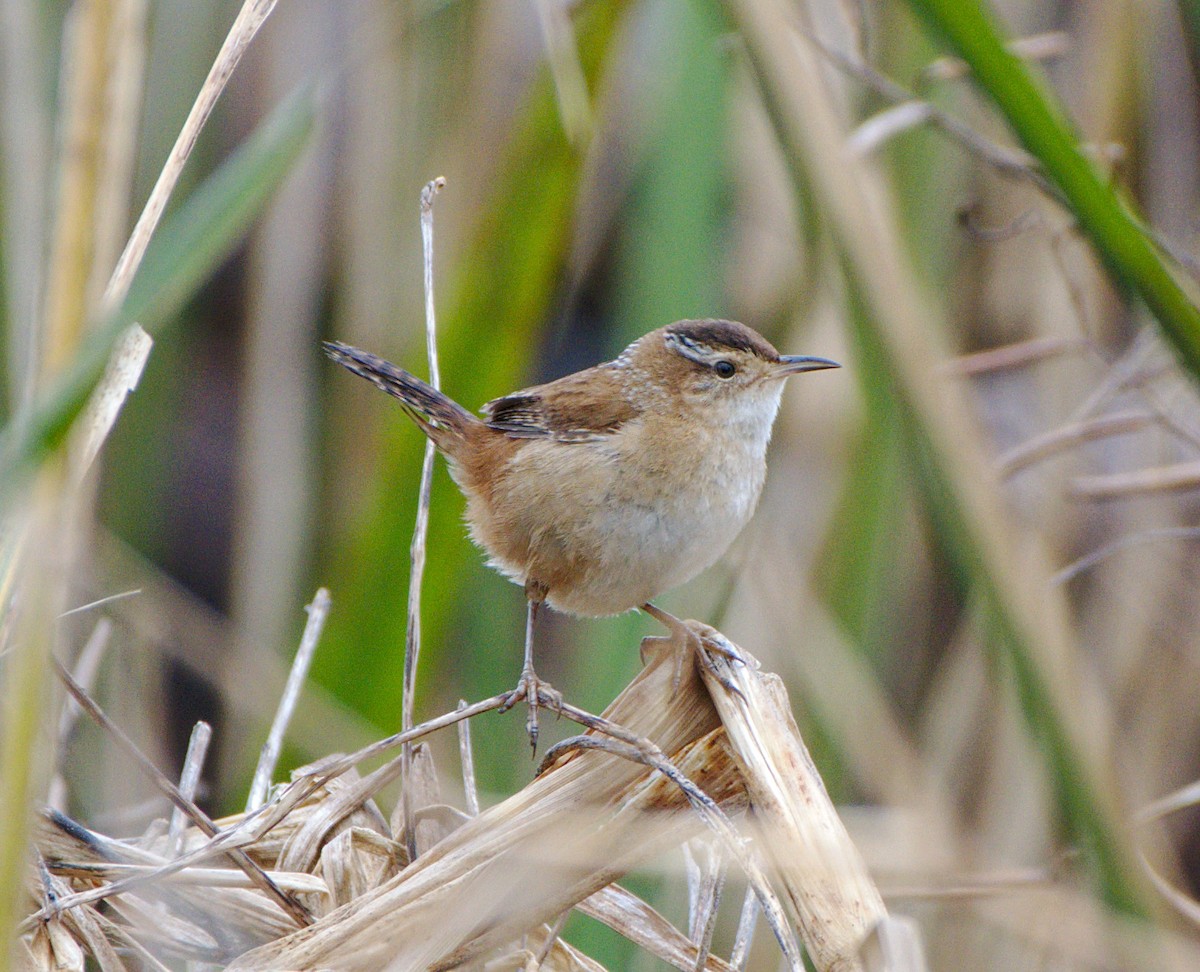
(725, 369)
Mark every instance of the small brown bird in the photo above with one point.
(603, 489)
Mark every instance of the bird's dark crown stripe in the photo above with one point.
(711, 337)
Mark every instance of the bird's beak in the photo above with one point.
(793, 364)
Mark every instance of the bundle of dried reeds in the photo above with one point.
(336, 887)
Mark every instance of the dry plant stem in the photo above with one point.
(87, 69)
(1035, 47)
(208, 877)
(189, 779)
(256, 874)
(118, 139)
(220, 846)
(86, 667)
(1088, 561)
(121, 377)
(552, 936)
(570, 85)
(1141, 482)
(325, 770)
(318, 611)
(828, 892)
(1181, 799)
(25, 144)
(709, 903)
(1012, 162)
(894, 946)
(412, 639)
(249, 19)
(1068, 436)
(467, 758)
(745, 932)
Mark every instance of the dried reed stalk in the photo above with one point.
(412, 633)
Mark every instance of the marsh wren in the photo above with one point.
(603, 489)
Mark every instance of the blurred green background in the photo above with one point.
(613, 166)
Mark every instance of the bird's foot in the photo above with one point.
(692, 639)
(537, 693)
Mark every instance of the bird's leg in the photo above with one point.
(531, 688)
(688, 640)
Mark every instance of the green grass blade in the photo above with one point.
(187, 249)
(972, 32)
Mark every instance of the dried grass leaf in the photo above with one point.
(357, 861)
(626, 913)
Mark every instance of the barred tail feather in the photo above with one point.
(435, 413)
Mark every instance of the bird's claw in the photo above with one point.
(537, 693)
(694, 639)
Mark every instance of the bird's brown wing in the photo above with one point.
(582, 407)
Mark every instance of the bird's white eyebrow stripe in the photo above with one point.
(695, 350)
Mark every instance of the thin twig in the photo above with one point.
(100, 602)
(256, 874)
(318, 611)
(412, 640)
(326, 770)
(1020, 354)
(86, 667)
(466, 756)
(1181, 799)
(1066, 437)
(968, 219)
(189, 779)
(1088, 561)
(1140, 482)
(1010, 161)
